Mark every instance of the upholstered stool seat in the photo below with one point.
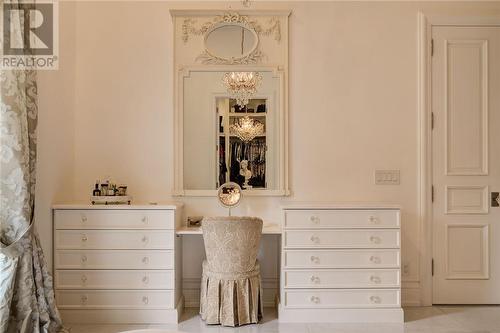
(231, 290)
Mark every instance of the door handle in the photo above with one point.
(495, 199)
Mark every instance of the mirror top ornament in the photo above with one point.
(252, 30)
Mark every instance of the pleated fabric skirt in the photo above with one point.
(231, 299)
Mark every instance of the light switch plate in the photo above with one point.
(387, 177)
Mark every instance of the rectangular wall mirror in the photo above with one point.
(226, 141)
(233, 150)
(231, 101)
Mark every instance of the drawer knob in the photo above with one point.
(145, 260)
(144, 239)
(315, 259)
(374, 219)
(375, 299)
(145, 279)
(145, 299)
(84, 238)
(315, 299)
(375, 259)
(144, 219)
(84, 258)
(375, 239)
(84, 299)
(314, 219)
(84, 279)
(375, 279)
(84, 218)
(315, 279)
(315, 239)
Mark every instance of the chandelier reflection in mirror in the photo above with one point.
(242, 85)
(247, 128)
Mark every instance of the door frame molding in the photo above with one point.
(424, 102)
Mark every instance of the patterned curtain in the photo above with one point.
(27, 302)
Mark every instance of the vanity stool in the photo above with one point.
(231, 289)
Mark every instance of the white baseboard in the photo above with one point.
(410, 293)
(121, 316)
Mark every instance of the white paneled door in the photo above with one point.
(466, 164)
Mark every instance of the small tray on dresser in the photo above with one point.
(111, 200)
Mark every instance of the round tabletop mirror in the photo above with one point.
(229, 194)
(231, 41)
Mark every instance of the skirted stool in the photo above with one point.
(231, 289)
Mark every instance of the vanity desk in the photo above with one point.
(123, 264)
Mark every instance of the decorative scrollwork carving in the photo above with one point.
(208, 59)
(273, 28)
(189, 28)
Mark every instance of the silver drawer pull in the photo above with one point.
(144, 219)
(315, 239)
(315, 259)
(145, 239)
(314, 219)
(145, 260)
(84, 279)
(375, 239)
(84, 218)
(145, 299)
(374, 220)
(84, 238)
(315, 279)
(84, 299)
(145, 279)
(375, 259)
(375, 299)
(315, 299)
(84, 258)
(375, 279)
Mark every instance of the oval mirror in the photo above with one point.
(229, 194)
(231, 41)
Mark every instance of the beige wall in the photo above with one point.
(56, 128)
(353, 97)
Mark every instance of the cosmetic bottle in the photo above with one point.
(104, 189)
(96, 191)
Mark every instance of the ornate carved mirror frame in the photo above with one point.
(269, 53)
(211, 56)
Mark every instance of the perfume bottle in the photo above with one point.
(104, 189)
(96, 191)
(112, 190)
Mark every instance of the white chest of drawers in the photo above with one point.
(117, 264)
(340, 264)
